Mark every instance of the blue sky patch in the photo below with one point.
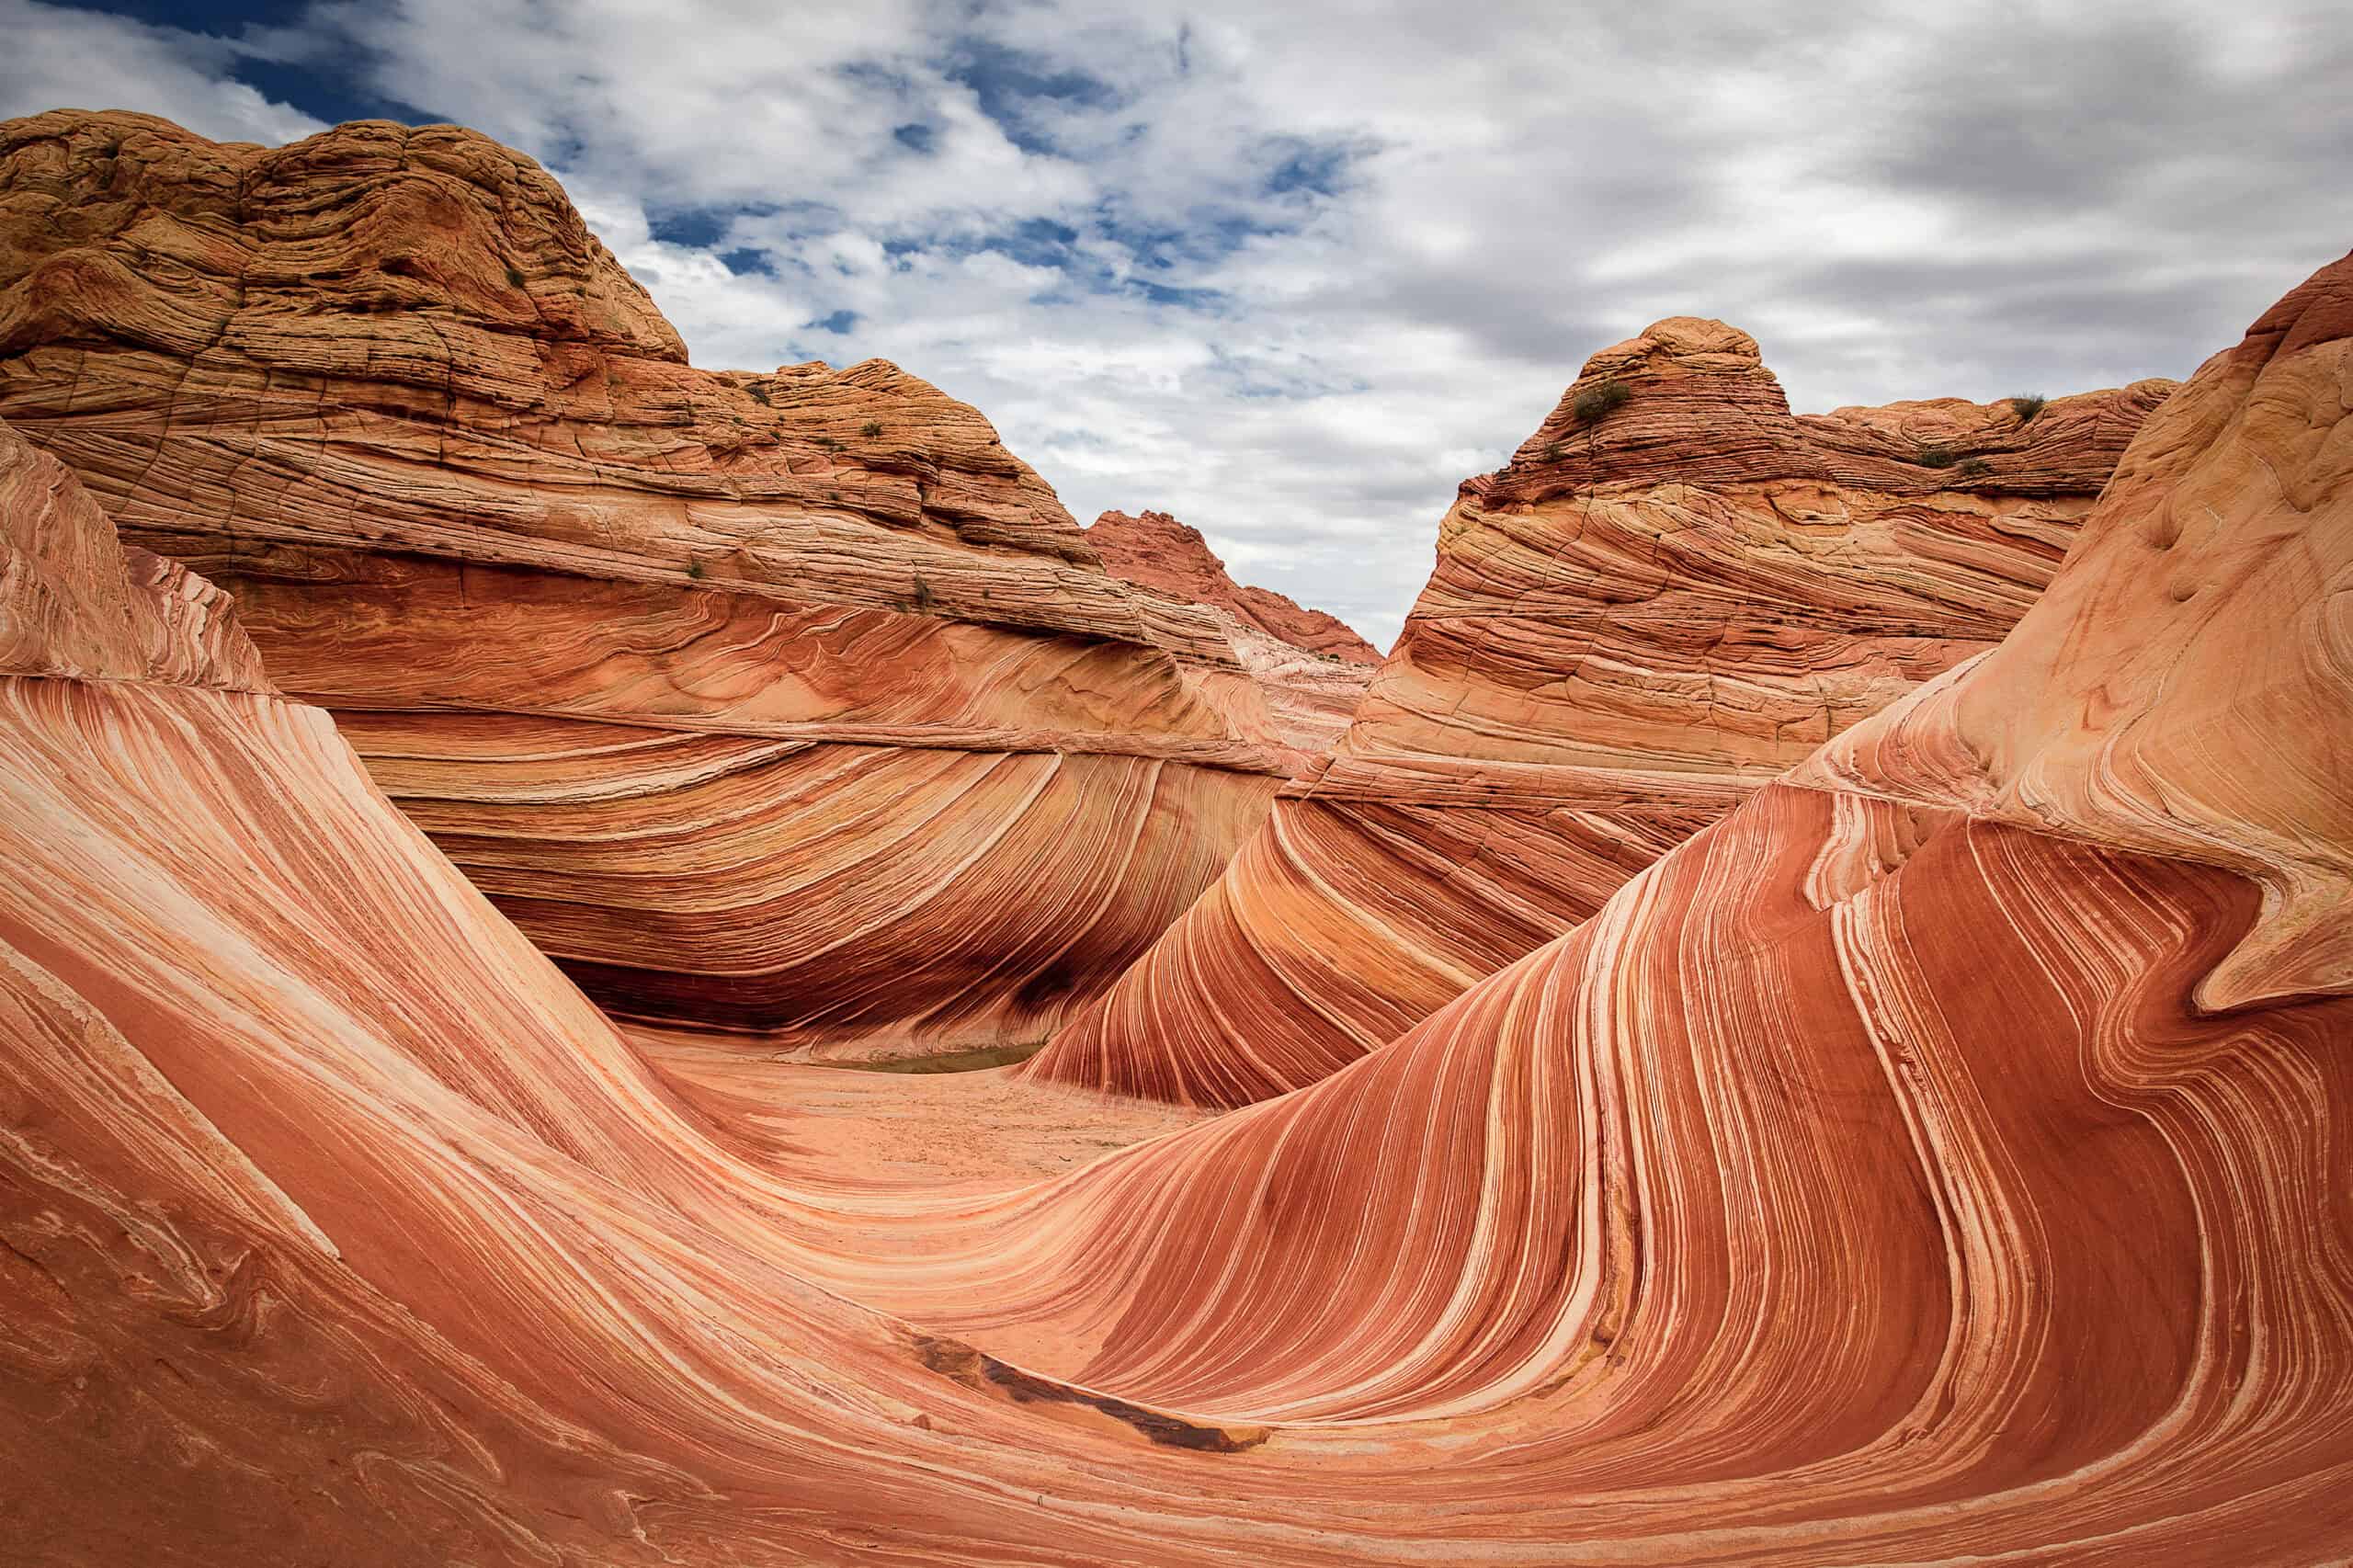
(698, 228)
(1010, 85)
(323, 87)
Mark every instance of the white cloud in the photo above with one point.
(55, 57)
(1291, 274)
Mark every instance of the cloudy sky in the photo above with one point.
(1291, 271)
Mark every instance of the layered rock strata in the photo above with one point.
(789, 703)
(1675, 590)
(1933, 1160)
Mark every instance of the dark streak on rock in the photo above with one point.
(977, 1370)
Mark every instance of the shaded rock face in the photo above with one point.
(1674, 591)
(1938, 1158)
(784, 703)
(1154, 551)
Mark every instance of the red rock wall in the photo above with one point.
(1644, 616)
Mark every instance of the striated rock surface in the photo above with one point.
(789, 703)
(1153, 549)
(1930, 1161)
(335, 1224)
(1664, 600)
(1934, 1160)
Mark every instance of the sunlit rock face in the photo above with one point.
(75, 605)
(1938, 1158)
(786, 702)
(1674, 591)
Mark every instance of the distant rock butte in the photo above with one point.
(789, 702)
(1662, 602)
(1154, 551)
(1311, 667)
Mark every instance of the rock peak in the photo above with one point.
(1696, 341)
(1691, 399)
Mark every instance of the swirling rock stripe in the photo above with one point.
(1364, 915)
(1807, 1260)
(1630, 628)
(832, 894)
(337, 1220)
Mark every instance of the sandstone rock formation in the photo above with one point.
(1934, 1160)
(1674, 591)
(1154, 551)
(1943, 1137)
(790, 703)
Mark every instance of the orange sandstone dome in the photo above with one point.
(1934, 1159)
(789, 702)
(1675, 590)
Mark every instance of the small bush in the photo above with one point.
(2028, 405)
(870, 429)
(924, 598)
(1551, 452)
(1938, 457)
(829, 443)
(514, 276)
(694, 569)
(1605, 398)
(1974, 468)
(759, 395)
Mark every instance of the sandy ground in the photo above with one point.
(940, 1131)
